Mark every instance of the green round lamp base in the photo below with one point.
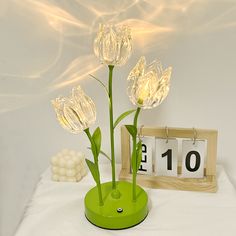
(119, 211)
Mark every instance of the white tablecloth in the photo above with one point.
(57, 209)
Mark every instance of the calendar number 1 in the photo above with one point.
(168, 153)
(166, 157)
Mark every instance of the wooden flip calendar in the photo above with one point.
(180, 158)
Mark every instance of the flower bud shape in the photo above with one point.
(148, 84)
(76, 112)
(112, 44)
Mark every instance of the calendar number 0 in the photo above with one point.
(188, 159)
(189, 155)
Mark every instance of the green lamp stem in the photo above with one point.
(134, 172)
(111, 67)
(96, 164)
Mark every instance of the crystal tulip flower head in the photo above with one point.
(112, 44)
(76, 112)
(148, 84)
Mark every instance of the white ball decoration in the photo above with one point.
(70, 172)
(62, 162)
(78, 167)
(55, 177)
(71, 179)
(75, 159)
(83, 165)
(55, 170)
(80, 154)
(72, 153)
(62, 171)
(62, 178)
(54, 160)
(66, 157)
(78, 177)
(65, 151)
(68, 166)
(84, 172)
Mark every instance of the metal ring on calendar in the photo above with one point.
(194, 136)
(167, 134)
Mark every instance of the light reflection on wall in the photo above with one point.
(58, 38)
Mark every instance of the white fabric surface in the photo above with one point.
(57, 209)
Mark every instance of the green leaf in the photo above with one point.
(94, 151)
(122, 116)
(97, 137)
(101, 83)
(132, 130)
(93, 169)
(137, 157)
(103, 153)
(139, 154)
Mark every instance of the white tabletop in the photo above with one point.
(57, 209)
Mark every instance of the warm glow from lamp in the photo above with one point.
(76, 112)
(143, 95)
(113, 44)
(149, 84)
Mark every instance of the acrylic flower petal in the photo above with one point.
(58, 105)
(73, 117)
(112, 44)
(138, 70)
(76, 112)
(148, 84)
(84, 105)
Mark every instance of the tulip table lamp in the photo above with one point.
(115, 204)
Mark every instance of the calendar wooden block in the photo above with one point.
(207, 183)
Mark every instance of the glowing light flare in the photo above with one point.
(54, 14)
(221, 21)
(9, 102)
(151, 29)
(140, 27)
(180, 5)
(76, 70)
(144, 33)
(143, 93)
(101, 9)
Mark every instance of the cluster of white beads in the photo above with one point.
(68, 166)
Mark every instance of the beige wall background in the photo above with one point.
(46, 49)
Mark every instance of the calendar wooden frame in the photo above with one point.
(206, 184)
